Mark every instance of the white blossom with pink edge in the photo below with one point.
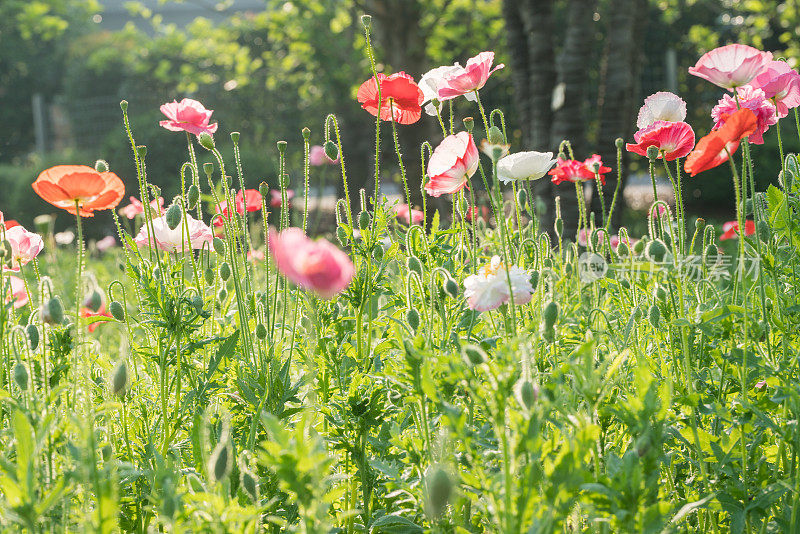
(661, 106)
(174, 240)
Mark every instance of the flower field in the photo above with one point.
(214, 368)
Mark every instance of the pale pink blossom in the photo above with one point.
(14, 289)
(435, 79)
(314, 265)
(276, 198)
(317, 157)
(136, 207)
(25, 246)
(106, 243)
(452, 163)
(488, 289)
(732, 65)
(780, 83)
(255, 255)
(187, 115)
(173, 240)
(752, 99)
(470, 78)
(408, 214)
(661, 106)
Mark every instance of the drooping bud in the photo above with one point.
(218, 245)
(206, 140)
(534, 279)
(117, 311)
(93, 301)
(623, 251)
(209, 276)
(341, 235)
(654, 316)
(412, 317)
(364, 220)
(451, 288)
(522, 197)
(526, 393)
(222, 295)
(33, 335)
(474, 355)
(656, 250)
(699, 224)
(331, 150)
(261, 331)
(550, 314)
(53, 311)
(249, 483)
(225, 271)
(219, 464)
(173, 216)
(101, 165)
(558, 226)
(495, 136)
(414, 265)
(192, 196)
(439, 487)
(118, 381)
(21, 376)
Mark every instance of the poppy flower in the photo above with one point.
(481, 212)
(101, 312)
(730, 229)
(435, 79)
(488, 289)
(570, 170)
(732, 65)
(65, 185)
(10, 223)
(25, 246)
(173, 240)
(276, 199)
(452, 163)
(317, 157)
(106, 243)
(752, 99)
(315, 265)
(250, 201)
(136, 207)
(400, 97)
(781, 84)
(408, 214)
(673, 139)
(713, 149)
(661, 106)
(15, 290)
(470, 78)
(187, 115)
(524, 166)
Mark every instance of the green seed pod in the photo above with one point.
(469, 122)
(209, 276)
(173, 216)
(192, 196)
(652, 153)
(439, 487)
(414, 265)
(118, 381)
(656, 250)
(366, 20)
(261, 331)
(495, 136)
(263, 189)
(451, 288)
(331, 150)
(619, 143)
(654, 316)
(235, 137)
(222, 295)
(219, 246)
(141, 151)
(208, 169)
(550, 314)
(33, 335)
(534, 279)
(526, 392)
(225, 271)
(306, 133)
(205, 140)
(522, 197)
(101, 165)
(249, 483)
(764, 231)
(123, 104)
(363, 220)
(21, 376)
(219, 464)
(117, 311)
(412, 317)
(282, 146)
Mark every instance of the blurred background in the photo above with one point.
(576, 69)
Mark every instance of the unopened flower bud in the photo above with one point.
(93, 301)
(53, 311)
(218, 245)
(117, 311)
(522, 197)
(414, 265)
(225, 271)
(656, 250)
(263, 189)
(526, 392)
(192, 196)
(249, 483)
(534, 279)
(341, 235)
(33, 335)
(474, 355)
(377, 252)
(206, 140)
(261, 331)
(21, 377)
(619, 143)
(173, 216)
(306, 133)
(764, 231)
(209, 276)
(451, 288)
(654, 316)
(331, 150)
(495, 136)
(219, 464)
(197, 303)
(623, 250)
(439, 488)
(412, 317)
(118, 381)
(101, 165)
(363, 220)
(652, 153)
(559, 226)
(550, 314)
(222, 296)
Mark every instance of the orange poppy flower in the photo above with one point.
(711, 149)
(64, 185)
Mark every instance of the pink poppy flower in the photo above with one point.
(276, 199)
(732, 65)
(470, 78)
(781, 83)
(250, 201)
(187, 115)
(25, 246)
(435, 79)
(408, 214)
(661, 106)
(571, 170)
(106, 243)
(730, 230)
(673, 139)
(255, 255)
(481, 212)
(15, 290)
(173, 240)
(314, 265)
(136, 207)
(317, 157)
(752, 99)
(400, 96)
(452, 163)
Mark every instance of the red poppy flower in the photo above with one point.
(730, 229)
(101, 312)
(713, 149)
(250, 201)
(400, 97)
(570, 170)
(65, 185)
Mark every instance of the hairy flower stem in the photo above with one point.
(400, 157)
(78, 294)
(501, 224)
(196, 169)
(676, 186)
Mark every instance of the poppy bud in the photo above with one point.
(197, 303)
(117, 311)
(123, 105)
(623, 250)
(281, 146)
(261, 331)
(249, 484)
(764, 231)
(363, 220)
(526, 392)
(699, 224)
(21, 376)
(366, 20)
(619, 143)
(439, 486)
(550, 314)
(93, 301)
(522, 197)
(209, 276)
(656, 250)
(53, 311)
(559, 226)
(208, 168)
(118, 381)
(469, 123)
(652, 153)
(235, 137)
(222, 295)
(661, 293)
(534, 279)
(341, 235)
(451, 288)
(331, 150)
(495, 136)
(33, 335)
(654, 316)
(412, 317)
(173, 216)
(638, 247)
(306, 133)
(192, 196)
(474, 355)
(101, 165)
(414, 265)
(205, 140)
(219, 246)
(219, 465)
(225, 271)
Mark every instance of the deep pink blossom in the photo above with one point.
(780, 83)
(730, 229)
(187, 115)
(732, 65)
(452, 163)
(673, 139)
(570, 170)
(468, 79)
(315, 265)
(136, 207)
(752, 99)
(408, 214)
(15, 290)
(25, 246)
(317, 157)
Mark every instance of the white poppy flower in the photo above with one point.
(524, 166)
(433, 80)
(661, 106)
(488, 289)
